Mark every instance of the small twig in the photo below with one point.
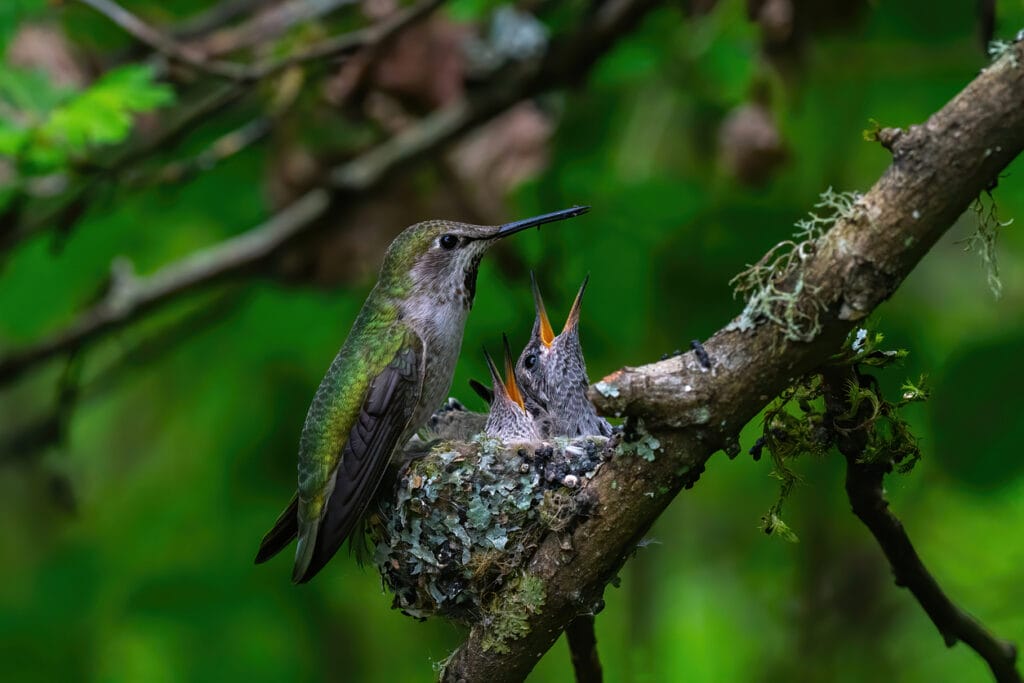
(864, 488)
(269, 24)
(371, 37)
(213, 18)
(222, 148)
(583, 649)
(330, 48)
(165, 45)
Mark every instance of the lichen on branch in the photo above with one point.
(799, 423)
(772, 288)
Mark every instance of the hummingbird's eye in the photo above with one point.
(531, 361)
(448, 241)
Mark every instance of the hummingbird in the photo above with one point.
(553, 374)
(508, 419)
(394, 369)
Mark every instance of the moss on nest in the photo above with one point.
(464, 518)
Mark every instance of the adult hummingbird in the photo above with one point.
(394, 369)
(508, 419)
(553, 373)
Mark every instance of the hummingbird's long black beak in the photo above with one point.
(517, 226)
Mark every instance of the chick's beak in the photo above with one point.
(547, 334)
(510, 376)
(496, 382)
(574, 313)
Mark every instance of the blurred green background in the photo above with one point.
(127, 541)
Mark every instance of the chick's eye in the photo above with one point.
(530, 361)
(448, 241)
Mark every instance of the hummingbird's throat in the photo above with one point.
(469, 283)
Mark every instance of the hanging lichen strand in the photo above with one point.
(797, 422)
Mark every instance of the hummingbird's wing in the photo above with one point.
(383, 419)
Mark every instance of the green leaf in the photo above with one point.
(50, 125)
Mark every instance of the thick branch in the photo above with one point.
(864, 488)
(938, 168)
(250, 249)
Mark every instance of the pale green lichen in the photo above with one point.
(639, 442)
(983, 241)
(771, 295)
(607, 390)
(508, 618)
(997, 49)
(465, 516)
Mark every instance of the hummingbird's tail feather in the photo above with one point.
(284, 530)
(319, 540)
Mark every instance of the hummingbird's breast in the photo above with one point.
(440, 324)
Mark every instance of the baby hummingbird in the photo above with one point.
(553, 374)
(393, 371)
(508, 420)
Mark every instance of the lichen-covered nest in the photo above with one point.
(465, 517)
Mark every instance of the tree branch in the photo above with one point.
(867, 499)
(938, 168)
(128, 296)
(165, 45)
(213, 18)
(239, 254)
(336, 46)
(583, 648)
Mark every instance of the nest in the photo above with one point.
(464, 518)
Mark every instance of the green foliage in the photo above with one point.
(45, 128)
(799, 423)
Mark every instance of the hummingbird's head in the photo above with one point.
(439, 259)
(552, 363)
(508, 419)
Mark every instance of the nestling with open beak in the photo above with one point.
(508, 420)
(394, 369)
(553, 374)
